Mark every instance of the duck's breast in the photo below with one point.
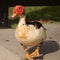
(30, 35)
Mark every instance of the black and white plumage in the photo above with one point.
(35, 23)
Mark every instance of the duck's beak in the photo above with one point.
(13, 16)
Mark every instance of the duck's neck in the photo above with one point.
(22, 20)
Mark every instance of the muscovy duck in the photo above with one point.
(31, 33)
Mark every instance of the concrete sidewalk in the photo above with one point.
(10, 48)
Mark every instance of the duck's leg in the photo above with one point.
(27, 54)
(36, 53)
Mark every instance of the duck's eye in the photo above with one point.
(19, 8)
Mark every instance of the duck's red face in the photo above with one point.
(18, 10)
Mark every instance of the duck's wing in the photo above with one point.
(34, 23)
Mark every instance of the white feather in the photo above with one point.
(33, 36)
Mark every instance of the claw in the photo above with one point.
(35, 53)
(27, 54)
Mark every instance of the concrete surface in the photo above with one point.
(10, 48)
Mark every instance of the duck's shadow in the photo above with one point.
(47, 47)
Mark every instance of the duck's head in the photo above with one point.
(18, 11)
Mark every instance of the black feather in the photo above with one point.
(35, 23)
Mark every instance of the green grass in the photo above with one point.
(28, 9)
(39, 12)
